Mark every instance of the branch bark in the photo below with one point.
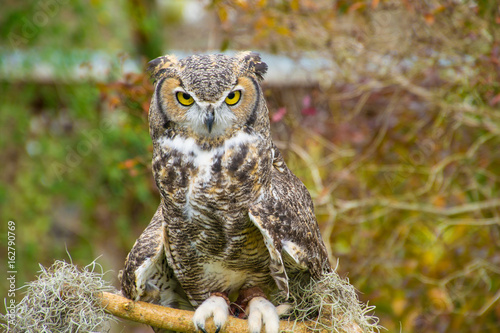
(181, 320)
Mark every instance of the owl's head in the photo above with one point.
(206, 96)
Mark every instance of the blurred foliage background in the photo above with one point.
(397, 137)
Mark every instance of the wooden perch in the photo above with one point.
(182, 320)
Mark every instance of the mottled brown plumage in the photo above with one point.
(232, 215)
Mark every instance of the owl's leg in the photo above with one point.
(217, 305)
(259, 310)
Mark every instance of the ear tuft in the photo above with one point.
(254, 64)
(158, 66)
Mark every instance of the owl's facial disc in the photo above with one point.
(208, 119)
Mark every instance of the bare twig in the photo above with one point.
(345, 206)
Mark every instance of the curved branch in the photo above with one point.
(181, 320)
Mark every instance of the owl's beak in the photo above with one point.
(209, 119)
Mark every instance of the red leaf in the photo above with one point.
(278, 115)
(355, 6)
(128, 164)
(311, 111)
(429, 18)
(307, 109)
(495, 100)
(306, 101)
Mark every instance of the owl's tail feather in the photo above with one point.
(329, 304)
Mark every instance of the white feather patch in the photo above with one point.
(203, 159)
(143, 274)
(294, 251)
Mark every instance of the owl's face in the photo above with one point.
(207, 96)
(203, 115)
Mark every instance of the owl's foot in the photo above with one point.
(261, 311)
(258, 310)
(217, 305)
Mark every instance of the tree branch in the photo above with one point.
(181, 320)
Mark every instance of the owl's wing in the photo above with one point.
(147, 276)
(285, 216)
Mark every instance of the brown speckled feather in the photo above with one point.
(286, 213)
(147, 275)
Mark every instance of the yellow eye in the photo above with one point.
(184, 99)
(233, 97)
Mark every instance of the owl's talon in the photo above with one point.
(214, 306)
(261, 311)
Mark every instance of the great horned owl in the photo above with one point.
(234, 225)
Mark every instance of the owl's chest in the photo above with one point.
(210, 182)
(207, 194)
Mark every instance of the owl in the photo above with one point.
(234, 225)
